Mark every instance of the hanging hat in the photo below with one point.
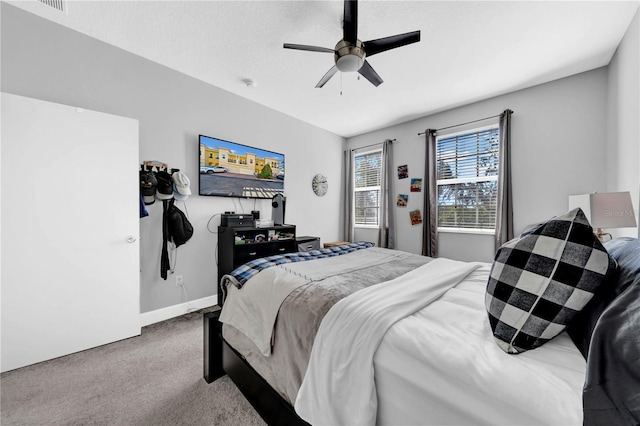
(181, 183)
(148, 184)
(165, 186)
(177, 195)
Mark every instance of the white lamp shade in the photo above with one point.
(349, 63)
(606, 210)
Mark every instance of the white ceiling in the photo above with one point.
(469, 50)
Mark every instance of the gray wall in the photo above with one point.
(623, 130)
(558, 131)
(43, 60)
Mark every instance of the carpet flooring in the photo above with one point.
(152, 379)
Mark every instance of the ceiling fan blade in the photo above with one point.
(370, 74)
(350, 23)
(309, 48)
(327, 76)
(372, 47)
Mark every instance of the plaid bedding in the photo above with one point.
(241, 274)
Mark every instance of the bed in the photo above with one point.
(363, 335)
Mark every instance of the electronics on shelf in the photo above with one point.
(235, 219)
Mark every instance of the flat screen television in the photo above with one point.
(229, 169)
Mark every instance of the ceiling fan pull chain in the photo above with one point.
(340, 84)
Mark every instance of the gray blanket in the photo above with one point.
(300, 316)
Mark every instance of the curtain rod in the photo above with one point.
(373, 144)
(462, 124)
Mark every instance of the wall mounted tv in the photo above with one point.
(229, 169)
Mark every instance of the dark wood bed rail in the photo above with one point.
(220, 359)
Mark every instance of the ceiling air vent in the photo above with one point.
(60, 5)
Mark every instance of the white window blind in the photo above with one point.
(367, 171)
(467, 179)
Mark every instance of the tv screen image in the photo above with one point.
(229, 169)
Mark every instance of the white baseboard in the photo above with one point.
(152, 317)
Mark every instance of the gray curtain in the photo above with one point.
(504, 207)
(386, 232)
(430, 208)
(348, 195)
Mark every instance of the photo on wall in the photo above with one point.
(416, 184)
(402, 201)
(403, 172)
(416, 217)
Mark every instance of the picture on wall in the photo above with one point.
(403, 172)
(416, 184)
(403, 199)
(416, 217)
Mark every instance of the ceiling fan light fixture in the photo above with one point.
(349, 63)
(349, 57)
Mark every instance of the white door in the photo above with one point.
(70, 229)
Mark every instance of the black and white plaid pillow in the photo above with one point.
(541, 279)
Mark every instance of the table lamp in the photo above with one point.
(605, 210)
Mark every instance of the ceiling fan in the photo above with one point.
(350, 53)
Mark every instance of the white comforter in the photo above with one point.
(339, 387)
(436, 365)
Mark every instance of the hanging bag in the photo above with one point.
(179, 227)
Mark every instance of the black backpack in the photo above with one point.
(179, 227)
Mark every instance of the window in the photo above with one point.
(366, 196)
(467, 179)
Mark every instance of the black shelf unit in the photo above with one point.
(240, 244)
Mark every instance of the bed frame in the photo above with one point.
(220, 359)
